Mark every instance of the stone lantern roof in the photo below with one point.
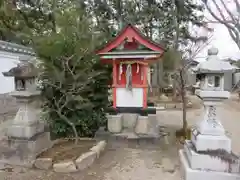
(213, 64)
(23, 70)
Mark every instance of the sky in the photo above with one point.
(221, 39)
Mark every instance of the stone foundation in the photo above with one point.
(133, 125)
(23, 152)
(207, 162)
(115, 123)
(193, 174)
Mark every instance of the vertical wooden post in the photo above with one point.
(145, 85)
(114, 84)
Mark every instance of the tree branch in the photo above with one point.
(233, 27)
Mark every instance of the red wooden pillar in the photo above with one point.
(114, 84)
(145, 85)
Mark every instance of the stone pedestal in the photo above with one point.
(23, 152)
(27, 136)
(199, 174)
(133, 125)
(115, 123)
(208, 155)
(129, 121)
(26, 122)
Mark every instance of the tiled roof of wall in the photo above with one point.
(16, 48)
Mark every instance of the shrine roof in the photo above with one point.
(131, 33)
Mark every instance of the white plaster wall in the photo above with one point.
(7, 61)
(126, 98)
(236, 78)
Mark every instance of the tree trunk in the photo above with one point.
(72, 126)
(184, 101)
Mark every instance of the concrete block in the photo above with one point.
(99, 148)
(65, 167)
(115, 123)
(206, 162)
(129, 120)
(43, 163)
(86, 160)
(142, 126)
(191, 174)
(208, 142)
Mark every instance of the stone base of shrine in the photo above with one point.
(128, 140)
(23, 152)
(195, 174)
(133, 125)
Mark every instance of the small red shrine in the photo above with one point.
(130, 53)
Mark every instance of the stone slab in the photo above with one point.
(208, 142)
(99, 148)
(86, 160)
(115, 123)
(190, 174)
(219, 95)
(23, 152)
(206, 162)
(65, 167)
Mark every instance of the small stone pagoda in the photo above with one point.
(26, 136)
(130, 54)
(208, 154)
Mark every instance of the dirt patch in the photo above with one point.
(67, 150)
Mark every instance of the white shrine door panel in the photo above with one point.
(126, 98)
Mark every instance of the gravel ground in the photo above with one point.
(141, 164)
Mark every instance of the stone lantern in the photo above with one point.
(26, 135)
(208, 154)
(212, 91)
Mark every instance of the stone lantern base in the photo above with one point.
(26, 137)
(204, 160)
(23, 152)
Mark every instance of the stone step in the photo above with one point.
(193, 174)
(206, 142)
(207, 162)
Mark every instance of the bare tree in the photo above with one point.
(181, 74)
(228, 14)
